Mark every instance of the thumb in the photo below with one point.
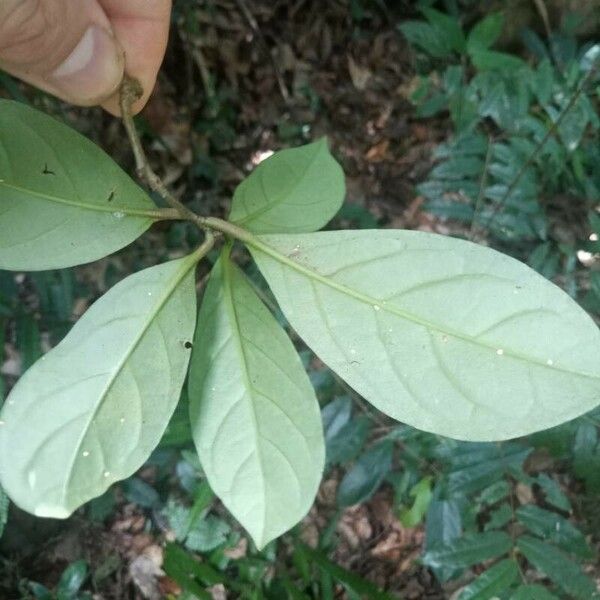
(63, 47)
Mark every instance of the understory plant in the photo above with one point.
(520, 165)
(439, 333)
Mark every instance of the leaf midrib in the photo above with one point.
(256, 243)
(237, 335)
(132, 212)
(185, 268)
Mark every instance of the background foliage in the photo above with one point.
(511, 520)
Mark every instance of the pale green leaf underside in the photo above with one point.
(295, 190)
(63, 201)
(443, 334)
(91, 410)
(255, 417)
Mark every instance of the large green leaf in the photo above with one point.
(443, 334)
(255, 418)
(558, 567)
(294, 190)
(90, 411)
(63, 201)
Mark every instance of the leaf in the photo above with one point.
(586, 456)
(178, 433)
(426, 38)
(469, 550)
(28, 340)
(348, 579)
(443, 523)
(499, 517)
(344, 435)
(445, 335)
(139, 492)
(486, 60)
(495, 492)
(71, 580)
(90, 411)
(459, 167)
(345, 445)
(542, 82)
(447, 27)
(101, 508)
(365, 477)
(190, 574)
(483, 466)
(40, 592)
(492, 582)
(255, 418)
(533, 592)
(203, 498)
(4, 503)
(207, 534)
(178, 518)
(335, 416)
(422, 494)
(553, 493)
(485, 33)
(63, 201)
(295, 190)
(554, 528)
(557, 566)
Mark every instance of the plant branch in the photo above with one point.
(261, 38)
(130, 91)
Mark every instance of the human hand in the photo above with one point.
(79, 50)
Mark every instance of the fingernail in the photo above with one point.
(93, 70)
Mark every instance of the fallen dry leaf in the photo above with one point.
(360, 76)
(145, 571)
